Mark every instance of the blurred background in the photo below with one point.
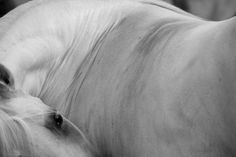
(208, 9)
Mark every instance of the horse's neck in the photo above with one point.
(77, 60)
(39, 52)
(45, 58)
(63, 84)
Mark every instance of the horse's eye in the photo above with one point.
(54, 121)
(58, 120)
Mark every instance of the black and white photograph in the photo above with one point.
(117, 78)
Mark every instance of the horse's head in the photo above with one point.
(28, 127)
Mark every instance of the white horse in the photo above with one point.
(29, 128)
(141, 79)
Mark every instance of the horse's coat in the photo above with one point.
(139, 78)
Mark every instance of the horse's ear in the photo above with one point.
(6, 82)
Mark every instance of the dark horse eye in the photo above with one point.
(54, 121)
(58, 120)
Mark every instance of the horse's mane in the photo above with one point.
(96, 19)
(15, 135)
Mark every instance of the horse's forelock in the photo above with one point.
(15, 136)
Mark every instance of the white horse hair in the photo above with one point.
(28, 128)
(15, 135)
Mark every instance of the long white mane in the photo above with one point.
(14, 134)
